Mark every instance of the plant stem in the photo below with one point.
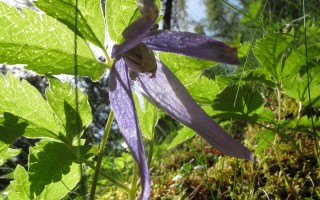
(133, 190)
(279, 104)
(116, 182)
(295, 194)
(100, 155)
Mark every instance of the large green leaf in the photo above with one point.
(27, 113)
(44, 44)
(297, 87)
(119, 15)
(274, 56)
(21, 99)
(53, 172)
(90, 24)
(61, 98)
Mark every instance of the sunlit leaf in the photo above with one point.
(53, 171)
(119, 15)
(189, 71)
(148, 116)
(184, 134)
(24, 101)
(61, 98)
(272, 52)
(6, 152)
(20, 187)
(90, 24)
(43, 44)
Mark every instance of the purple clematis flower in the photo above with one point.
(135, 61)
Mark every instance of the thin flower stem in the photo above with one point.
(133, 190)
(100, 155)
(116, 182)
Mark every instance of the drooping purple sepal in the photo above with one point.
(191, 44)
(138, 30)
(167, 92)
(125, 113)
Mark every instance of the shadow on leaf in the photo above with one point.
(48, 161)
(11, 128)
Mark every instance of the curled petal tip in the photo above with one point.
(252, 158)
(233, 54)
(193, 45)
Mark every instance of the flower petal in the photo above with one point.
(193, 45)
(168, 93)
(138, 30)
(125, 113)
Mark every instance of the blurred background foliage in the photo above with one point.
(262, 110)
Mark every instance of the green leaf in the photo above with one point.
(90, 24)
(27, 113)
(61, 98)
(271, 53)
(119, 162)
(260, 75)
(119, 15)
(20, 187)
(240, 103)
(266, 115)
(22, 100)
(186, 69)
(7, 153)
(304, 124)
(148, 115)
(53, 171)
(264, 139)
(189, 71)
(297, 86)
(252, 13)
(44, 44)
(204, 90)
(184, 134)
(10, 129)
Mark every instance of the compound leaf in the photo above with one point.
(43, 44)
